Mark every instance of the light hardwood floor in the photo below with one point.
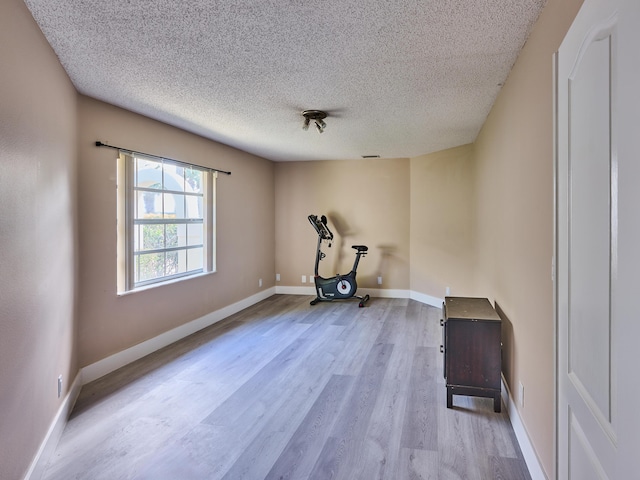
(284, 390)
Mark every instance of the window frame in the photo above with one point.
(127, 222)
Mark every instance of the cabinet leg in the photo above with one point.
(449, 397)
(497, 403)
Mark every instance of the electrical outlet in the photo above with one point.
(277, 277)
(59, 386)
(379, 280)
(521, 394)
(448, 291)
(304, 279)
(260, 283)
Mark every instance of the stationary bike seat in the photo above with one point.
(360, 248)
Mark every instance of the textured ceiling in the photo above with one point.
(397, 78)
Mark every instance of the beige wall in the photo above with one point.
(443, 223)
(245, 232)
(514, 202)
(37, 237)
(366, 201)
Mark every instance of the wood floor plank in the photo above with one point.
(455, 447)
(488, 431)
(237, 358)
(301, 452)
(262, 385)
(231, 411)
(156, 418)
(290, 404)
(379, 456)
(420, 428)
(507, 469)
(137, 377)
(339, 456)
(418, 465)
(359, 337)
(431, 332)
(263, 413)
(171, 463)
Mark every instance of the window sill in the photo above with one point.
(165, 283)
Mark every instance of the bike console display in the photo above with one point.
(320, 224)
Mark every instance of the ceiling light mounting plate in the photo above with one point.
(314, 114)
(317, 116)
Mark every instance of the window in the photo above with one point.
(165, 221)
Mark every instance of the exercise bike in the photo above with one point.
(340, 287)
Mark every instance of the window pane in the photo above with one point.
(148, 174)
(194, 180)
(194, 236)
(173, 205)
(149, 205)
(182, 261)
(151, 237)
(171, 267)
(194, 206)
(173, 177)
(172, 235)
(194, 259)
(150, 266)
(181, 234)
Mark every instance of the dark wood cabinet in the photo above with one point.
(472, 349)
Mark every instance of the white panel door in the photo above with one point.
(598, 242)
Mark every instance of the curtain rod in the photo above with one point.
(100, 144)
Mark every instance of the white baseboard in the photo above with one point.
(373, 292)
(50, 442)
(426, 299)
(528, 452)
(120, 359)
(285, 290)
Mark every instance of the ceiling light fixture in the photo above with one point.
(317, 116)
